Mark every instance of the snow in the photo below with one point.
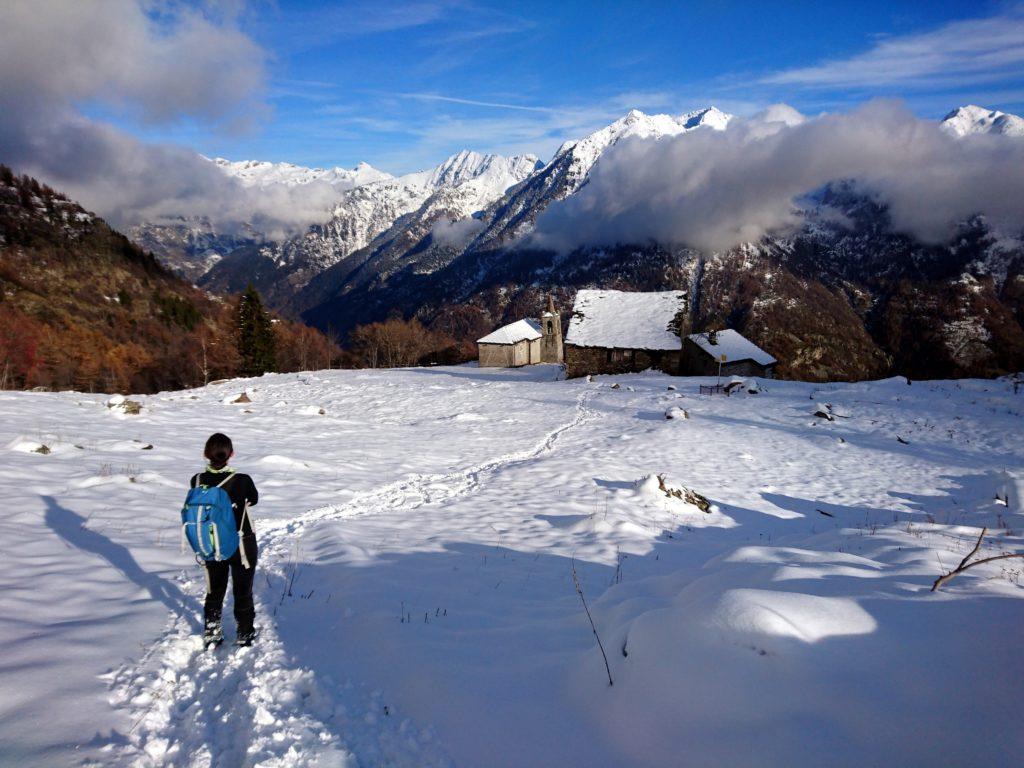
(586, 152)
(733, 345)
(463, 184)
(972, 119)
(625, 320)
(520, 330)
(415, 577)
(263, 174)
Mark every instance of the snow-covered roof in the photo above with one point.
(734, 346)
(625, 320)
(520, 330)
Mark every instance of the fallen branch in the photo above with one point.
(579, 591)
(966, 562)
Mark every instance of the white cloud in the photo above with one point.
(157, 64)
(971, 51)
(456, 234)
(715, 189)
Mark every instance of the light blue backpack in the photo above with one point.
(208, 522)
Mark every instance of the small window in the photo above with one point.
(551, 327)
(611, 355)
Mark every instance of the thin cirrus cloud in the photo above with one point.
(982, 50)
(470, 102)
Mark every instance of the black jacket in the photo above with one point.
(240, 489)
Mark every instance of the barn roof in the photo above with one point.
(625, 320)
(520, 330)
(733, 345)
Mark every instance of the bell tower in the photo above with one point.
(551, 330)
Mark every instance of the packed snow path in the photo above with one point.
(191, 708)
(417, 534)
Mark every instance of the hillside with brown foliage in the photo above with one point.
(82, 307)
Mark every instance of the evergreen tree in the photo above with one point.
(255, 335)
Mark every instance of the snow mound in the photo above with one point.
(808, 618)
(675, 412)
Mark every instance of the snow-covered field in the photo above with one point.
(416, 588)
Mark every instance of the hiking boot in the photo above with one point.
(213, 635)
(246, 637)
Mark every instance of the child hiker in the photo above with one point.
(224, 541)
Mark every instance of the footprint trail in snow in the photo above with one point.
(193, 708)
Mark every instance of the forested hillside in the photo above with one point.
(82, 307)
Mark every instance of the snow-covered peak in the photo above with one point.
(465, 166)
(972, 119)
(634, 123)
(712, 117)
(262, 174)
(637, 123)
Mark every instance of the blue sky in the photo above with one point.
(402, 85)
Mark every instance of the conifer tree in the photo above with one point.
(255, 335)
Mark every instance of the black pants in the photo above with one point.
(241, 586)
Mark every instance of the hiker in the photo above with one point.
(241, 565)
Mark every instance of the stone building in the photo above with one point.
(620, 332)
(523, 342)
(704, 352)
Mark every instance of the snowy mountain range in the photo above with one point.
(421, 221)
(435, 242)
(460, 186)
(258, 173)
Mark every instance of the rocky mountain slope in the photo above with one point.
(463, 184)
(429, 239)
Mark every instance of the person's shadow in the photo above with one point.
(71, 527)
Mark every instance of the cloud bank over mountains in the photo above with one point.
(157, 64)
(713, 190)
(71, 68)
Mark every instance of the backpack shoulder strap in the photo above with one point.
(223, 482)
(195, 479)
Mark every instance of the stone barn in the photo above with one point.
(523, 342)
(620, 332)
(702, 353)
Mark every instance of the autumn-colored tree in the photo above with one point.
(396, 343)
(301, 348)
(19, 339)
